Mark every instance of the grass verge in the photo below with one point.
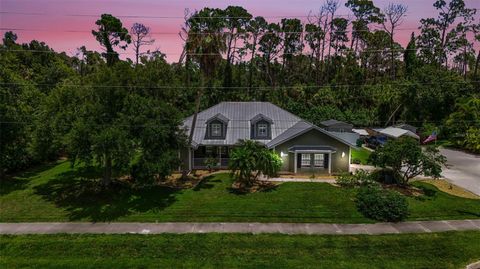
(439, 250)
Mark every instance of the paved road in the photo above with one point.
(253, 228)
(462, 169)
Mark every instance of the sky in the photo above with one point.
(58, 24)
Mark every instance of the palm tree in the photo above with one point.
(205, 44)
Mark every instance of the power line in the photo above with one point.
(199, 33)
(219, 54)
(25, 123)
(240, 87)
(160, 17)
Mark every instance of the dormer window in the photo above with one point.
(216, 127)
(261, 127)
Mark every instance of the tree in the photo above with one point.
(439, 36)
(108, 126)
(205, 45)
(315, 36)
(111, 34)
(250, 159)
(477, 61)
(365, 12)
(407, 159)
(292, 39)
(269, 46)
(339, 35)
(393, 18)
(410, 56)
(236, 22)
(140, 37)
(465, 118)
(255, 29)
(10, 39)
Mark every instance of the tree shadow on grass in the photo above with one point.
(473, 214)
(206, 183)
(9, 185)
(82, 196)
(20, 180)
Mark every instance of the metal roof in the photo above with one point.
(311, 148)
(397, 132)
(333, 122)
(284, 124)
(360, 131)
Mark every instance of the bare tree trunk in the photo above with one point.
(250, 72)
(477, 62)
(392, 66)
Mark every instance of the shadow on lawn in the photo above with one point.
(19, 181)
(206, 183)
(82, 196)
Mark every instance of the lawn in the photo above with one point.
(439, 250)
(58, 193)
(361, 155)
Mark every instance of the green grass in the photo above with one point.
(361, 154)
(58, 193)
(439, 250)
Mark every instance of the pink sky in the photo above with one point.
(52, 25)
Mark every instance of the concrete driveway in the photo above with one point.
(462, 169)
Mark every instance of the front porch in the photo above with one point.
(201, 156)
(312, 159)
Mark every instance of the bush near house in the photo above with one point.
(380, 204)
(251, 159)
(359, 179)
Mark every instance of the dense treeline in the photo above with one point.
(123, 115)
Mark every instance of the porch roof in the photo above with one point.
(312, 149)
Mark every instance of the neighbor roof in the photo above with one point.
(360, 131)
(284, 126)
(332, 122)
(397, 132)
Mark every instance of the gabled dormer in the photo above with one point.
(216, 127)
(261, 127)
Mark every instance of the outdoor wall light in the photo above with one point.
(343, 154)
(283, 154)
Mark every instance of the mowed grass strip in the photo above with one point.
(439, 250)
(58, 193)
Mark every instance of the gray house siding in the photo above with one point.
(315, 138)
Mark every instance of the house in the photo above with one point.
(336, 126)
(395, 133)
(301, 145)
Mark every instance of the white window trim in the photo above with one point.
(263, 127)
(214, 128)
(304, 159)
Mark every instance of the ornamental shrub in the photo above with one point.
(382, 205)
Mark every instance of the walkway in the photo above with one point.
(299, 179)
(254, 228)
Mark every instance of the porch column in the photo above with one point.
(349, 158)
(219, 152)
(329, 163)
(190, 158)
(295, 163)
